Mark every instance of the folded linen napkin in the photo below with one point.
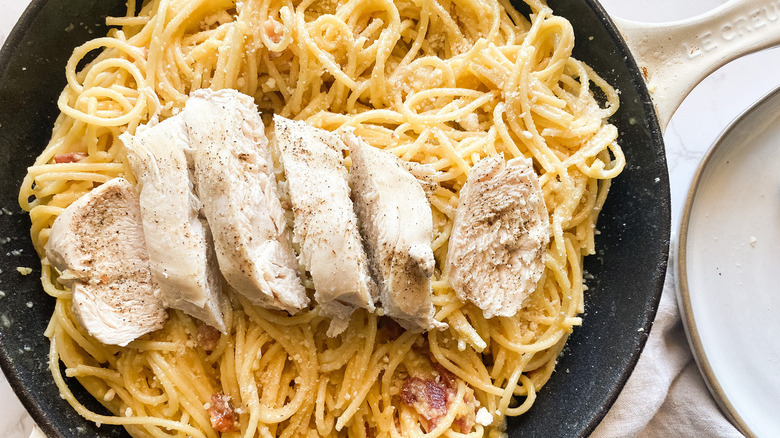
(666, 395)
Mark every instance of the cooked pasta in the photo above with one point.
(442, 82)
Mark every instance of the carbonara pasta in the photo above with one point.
(442, 82)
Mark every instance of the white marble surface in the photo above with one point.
(704, 114)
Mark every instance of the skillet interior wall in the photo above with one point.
(622, 297)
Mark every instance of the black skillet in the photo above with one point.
(628, 270)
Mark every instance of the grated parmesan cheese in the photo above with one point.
(483, 417)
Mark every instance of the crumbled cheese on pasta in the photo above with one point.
(483, 417)
(470, 122)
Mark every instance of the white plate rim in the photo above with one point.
(683, 292)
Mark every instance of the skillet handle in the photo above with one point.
(674, 57)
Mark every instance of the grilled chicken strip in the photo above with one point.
(98, 245)
(499, 237)
(235, 180)
(178, 239)
(397, 227)
(325, 222)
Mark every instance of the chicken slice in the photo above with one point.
(325, 222)
(178, 239)
(235, 179)
(425, 175)
(499, 237)
(98, 245)
(397, 227)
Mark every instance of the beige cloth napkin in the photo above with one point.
(666, 396)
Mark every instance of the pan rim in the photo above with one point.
(12, 42)
(657, 137)
(37, 413)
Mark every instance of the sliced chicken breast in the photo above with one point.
(397, 227)
(425, 175)
(98, 245)
(325, 222)
(235, 180)
(499, 237)
(177, 237)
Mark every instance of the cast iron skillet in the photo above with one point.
(628, 270)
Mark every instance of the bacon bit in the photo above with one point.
(223, 419)
(446, 376)
(274, 30)
(432, 397)
(461, 423)
(70, 157)
(466, 422)
(208, 337)
(103, 279)
(428, 397)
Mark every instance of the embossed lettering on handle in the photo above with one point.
(676, 56)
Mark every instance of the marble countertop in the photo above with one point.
(701, 118)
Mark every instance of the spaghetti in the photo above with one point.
(442, 82)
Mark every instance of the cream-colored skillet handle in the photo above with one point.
(676, 56)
